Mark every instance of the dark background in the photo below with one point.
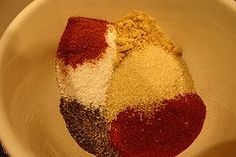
(2, 152)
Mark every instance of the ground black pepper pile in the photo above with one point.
(88, 127)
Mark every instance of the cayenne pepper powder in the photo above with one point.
(83, 40)
(171, 129)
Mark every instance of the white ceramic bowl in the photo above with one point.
(30, 122)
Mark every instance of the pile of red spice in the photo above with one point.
(82, 41)
(170, 130)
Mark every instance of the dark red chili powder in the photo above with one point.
(171, 129)
(83, 40)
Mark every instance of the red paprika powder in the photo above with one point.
(83, 40)
(171, 129)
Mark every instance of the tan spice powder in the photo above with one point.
(137, 30)
(144, 79)
(150, 67)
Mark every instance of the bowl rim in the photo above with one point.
(12, 143)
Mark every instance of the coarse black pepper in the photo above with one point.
(88, 127)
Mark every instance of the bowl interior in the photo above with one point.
(29, 100)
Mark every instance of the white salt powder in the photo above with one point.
(88, 82)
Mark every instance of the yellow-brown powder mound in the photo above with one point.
(137, 30)
(150, 69)
(147, 77)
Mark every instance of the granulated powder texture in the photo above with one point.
(137, 30)
(145, 106)
(88, 82)
(146, 78)
(83, 40)
(84, 66)
(88, 127)
(171, 129)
